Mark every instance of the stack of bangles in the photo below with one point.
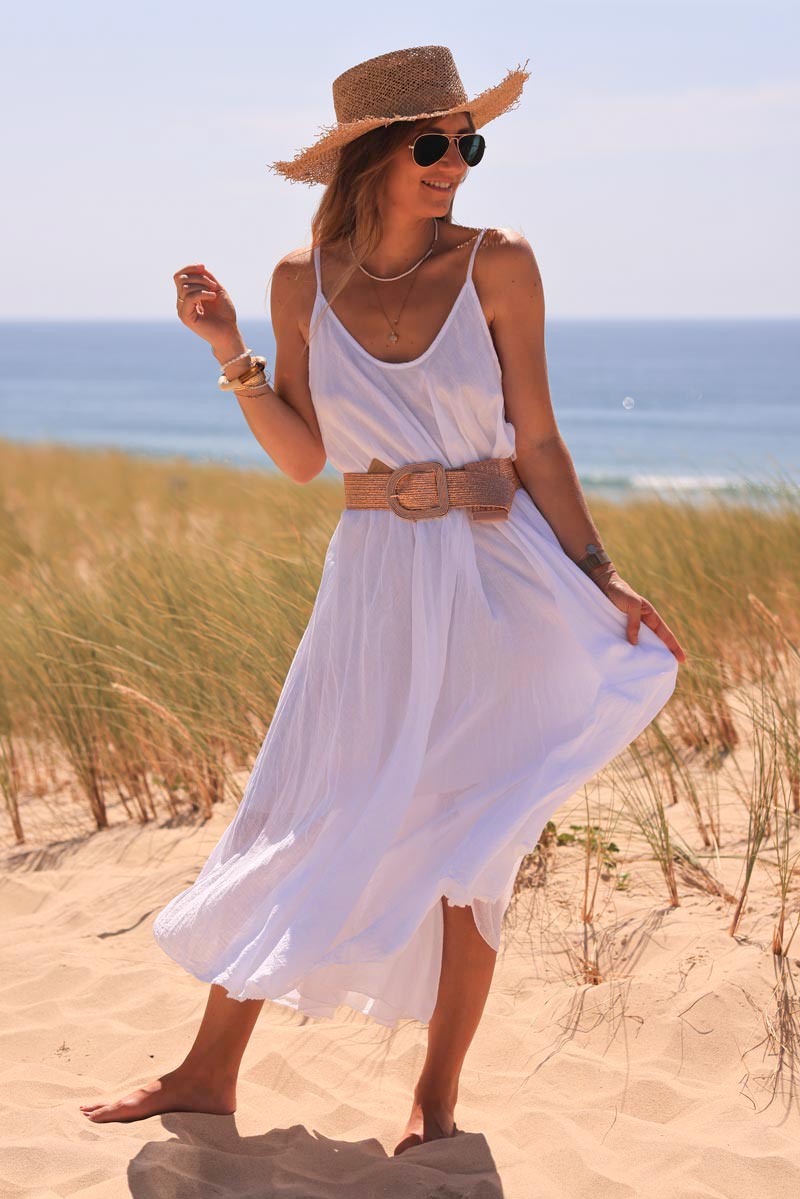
(255, 381)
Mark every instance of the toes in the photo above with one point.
(102, 1112)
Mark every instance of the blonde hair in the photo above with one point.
(349, 204)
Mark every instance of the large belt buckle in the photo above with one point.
(411, 468)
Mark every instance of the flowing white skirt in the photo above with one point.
(455, 684)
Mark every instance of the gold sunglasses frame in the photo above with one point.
(451, 137)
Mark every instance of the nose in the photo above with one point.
(453, 157)
(452, 164)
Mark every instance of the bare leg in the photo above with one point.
(206, 1079)
(467, 967)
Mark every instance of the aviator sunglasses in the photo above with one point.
(428, 148)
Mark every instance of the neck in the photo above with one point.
(404, 241)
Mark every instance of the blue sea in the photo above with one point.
(683, 408)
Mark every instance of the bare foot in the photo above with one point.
(172, 1092)
(431, 1119)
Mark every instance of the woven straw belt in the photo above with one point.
(420, 490)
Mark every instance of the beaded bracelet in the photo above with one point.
(230, 362)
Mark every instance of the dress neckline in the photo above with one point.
(411, 361)
(468, 282)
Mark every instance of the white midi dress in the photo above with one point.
(456, 682)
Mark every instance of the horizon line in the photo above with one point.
(778, 316)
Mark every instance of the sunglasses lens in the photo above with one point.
(472, 146)
(429, 148)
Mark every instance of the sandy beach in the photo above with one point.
(658, 1081)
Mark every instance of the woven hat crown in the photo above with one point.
(401, 83)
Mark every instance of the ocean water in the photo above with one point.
(679, 407)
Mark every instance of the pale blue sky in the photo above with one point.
(652, 163)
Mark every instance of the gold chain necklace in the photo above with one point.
(394, 278)
(393, 334)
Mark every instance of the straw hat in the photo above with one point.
(403, 85)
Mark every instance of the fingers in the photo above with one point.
(194, 283)
(191, 281)
(194, 286)
(643, 612)
(194, 266)
(196, 294)
(662, 629)
(196, 272)
(634, 620)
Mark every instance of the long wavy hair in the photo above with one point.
(349, 205)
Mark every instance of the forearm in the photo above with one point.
(549, 476)
(276, 426)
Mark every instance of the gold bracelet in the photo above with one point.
(256, 369)
(260, 389)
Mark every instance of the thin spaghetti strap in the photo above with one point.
(474, 252)
(317, 271)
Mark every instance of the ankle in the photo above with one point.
(433, 1090)
(206, 1074)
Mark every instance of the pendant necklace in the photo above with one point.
(393, 334)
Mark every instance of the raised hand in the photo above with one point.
(197, 287)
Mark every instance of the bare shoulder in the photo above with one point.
(294, 271)
(292, 288)
(504, 249)
(506, 270)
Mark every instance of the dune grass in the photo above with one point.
(150, 610)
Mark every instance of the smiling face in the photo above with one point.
(414, 188)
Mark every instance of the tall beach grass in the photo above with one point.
(150, 610)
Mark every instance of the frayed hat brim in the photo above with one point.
(317, 163)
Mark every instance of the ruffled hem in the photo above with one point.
(318, 1003)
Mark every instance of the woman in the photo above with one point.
(472, 656)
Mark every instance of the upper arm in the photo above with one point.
(288, 294)
(517, 302)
